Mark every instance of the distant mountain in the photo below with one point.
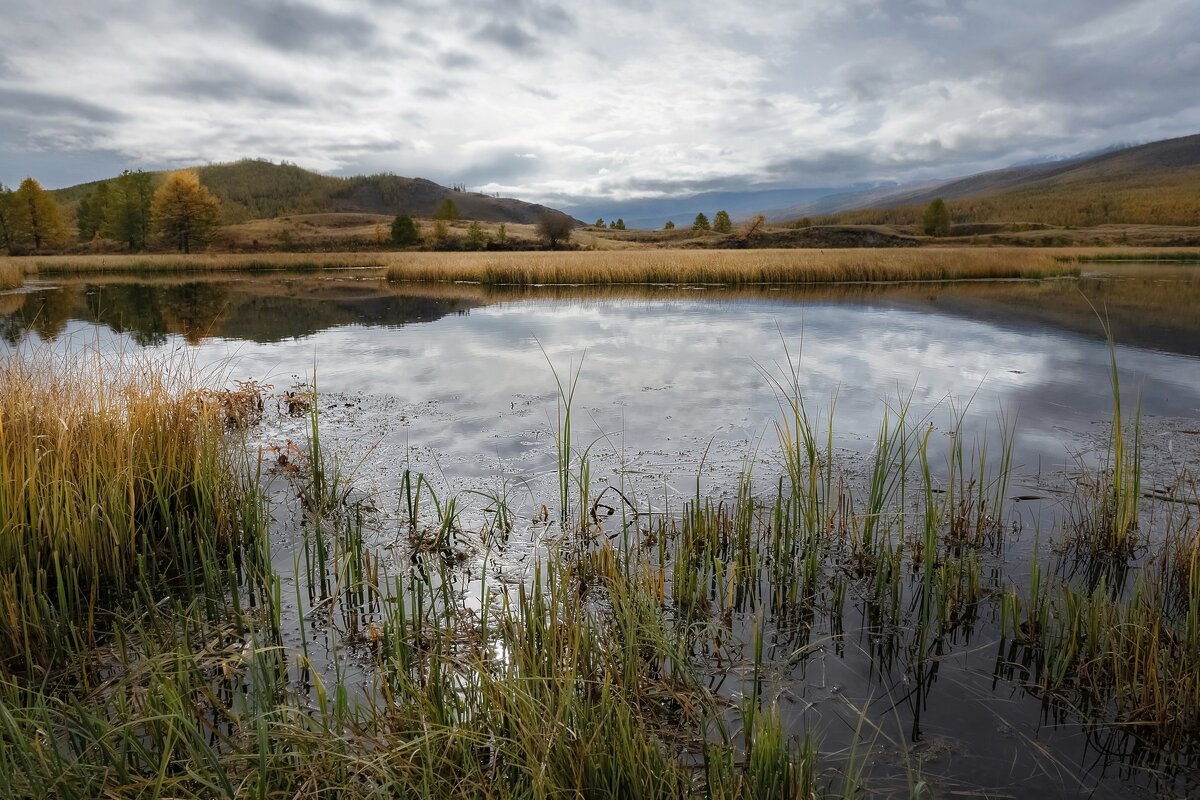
(254, 189)
(1155, 183)
(654, 212)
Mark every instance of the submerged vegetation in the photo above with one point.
(157, 643)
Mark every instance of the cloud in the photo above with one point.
(222, 82)
(617, 98)
(27, 103)
(291, 26)
(510, 36)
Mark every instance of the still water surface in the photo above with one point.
(675, 384)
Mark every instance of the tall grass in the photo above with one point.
(196, 262)
(116, 477)
(1107, 502)
(725, 267)
(11, 276)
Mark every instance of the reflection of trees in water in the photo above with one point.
(45, 313)
(194, 309)
(128, 308)
(149, 313)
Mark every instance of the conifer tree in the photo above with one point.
(128, 217)
(36, 221)
(184, 212)
(936, 221)
(404, 230)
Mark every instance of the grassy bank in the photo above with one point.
(197, 262)
(11, 276)
(1161, 255)
(610, 267)
(723, 267)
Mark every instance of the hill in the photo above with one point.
(253, 189)
(1150, 184)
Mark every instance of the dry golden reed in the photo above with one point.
(11, 276)
(725, 266)
(113, 470)
(195, 262)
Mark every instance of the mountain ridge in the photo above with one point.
(257, 189)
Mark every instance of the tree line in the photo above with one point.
(721, 223)
(181, 213)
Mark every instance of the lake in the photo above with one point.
(678, 392)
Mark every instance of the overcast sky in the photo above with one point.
(605, 99)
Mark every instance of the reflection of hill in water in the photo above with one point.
(1150, 307)
(257, 310)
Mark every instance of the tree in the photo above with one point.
(502, 234)
(439, 238)
(476, 239)
(185, 212)
(599, 222)
(701, 222)
(722, 223)
(36, 221)
(92, 211)
(936, 221)
(555, 228)
(670, 226)
(619, 225)
(405, 231)
(6, 218)
(447, 211)
(128, 217)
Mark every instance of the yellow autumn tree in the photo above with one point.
(36, 221)
(184, 212)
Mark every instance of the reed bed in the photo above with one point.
(11, 276)
(116, 478)
(730, 267)
(196, 262)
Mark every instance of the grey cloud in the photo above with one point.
(537, 91)
(457, 59)
(509, 36)
(28, 103)
(433, 92)
(211, 81)
(506, 168)
(522, 27)
(55, 168)
(294, 26)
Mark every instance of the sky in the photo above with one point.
(608, 99)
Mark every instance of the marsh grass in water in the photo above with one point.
(118, 478)
(648, 653)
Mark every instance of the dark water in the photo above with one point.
(457, 381)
